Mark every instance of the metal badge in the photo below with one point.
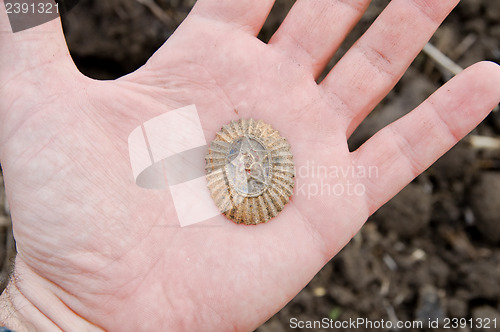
(250, 171)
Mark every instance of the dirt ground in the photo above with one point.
(431, 252)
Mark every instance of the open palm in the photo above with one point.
(97, 251)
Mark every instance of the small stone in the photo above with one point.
(272, 325)
(4, 221)
(342, 295)
(319, 291)
(408, 212)
(418, 255)
(484, 201)
(457, 307)
(429, 305)
(486, 314)
(481, 278)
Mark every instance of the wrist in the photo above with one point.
(8, 316)
(16, 312)
(27, 304)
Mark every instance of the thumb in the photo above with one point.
(33, 47)
(35, 62)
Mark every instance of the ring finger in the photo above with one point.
(314, 29)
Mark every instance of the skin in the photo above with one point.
(91, 255)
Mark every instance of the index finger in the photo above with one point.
(405, 148)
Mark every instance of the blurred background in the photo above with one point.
(433, 251)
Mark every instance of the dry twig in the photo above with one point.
(444, 61)
(158, 12)
(484, 142)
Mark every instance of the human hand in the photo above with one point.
(91, 249)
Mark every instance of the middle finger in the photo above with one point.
(314, 29)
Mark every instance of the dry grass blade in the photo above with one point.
(442, 59)
(158, 12)
(484, 142)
